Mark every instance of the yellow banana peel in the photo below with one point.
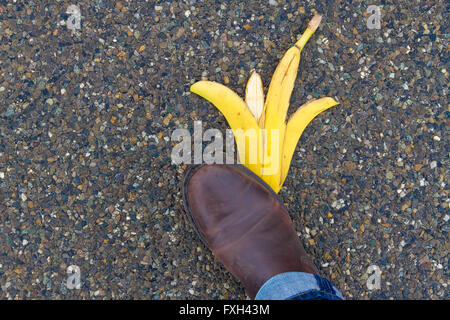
(265, 140)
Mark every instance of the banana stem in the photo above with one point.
(313, 24)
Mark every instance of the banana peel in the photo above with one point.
(265, 138)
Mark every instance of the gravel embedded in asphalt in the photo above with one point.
(86, 119)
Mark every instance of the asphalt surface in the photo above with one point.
(86, 119)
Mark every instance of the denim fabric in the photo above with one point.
(298, 286)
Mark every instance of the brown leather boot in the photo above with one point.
(244, 223)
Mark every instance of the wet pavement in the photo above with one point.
(86, 119)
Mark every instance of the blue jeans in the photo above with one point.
(298, 286)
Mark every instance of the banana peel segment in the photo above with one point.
(239, 118)
(295, 127)
(254, 95)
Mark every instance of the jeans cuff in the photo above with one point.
(297, 285)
